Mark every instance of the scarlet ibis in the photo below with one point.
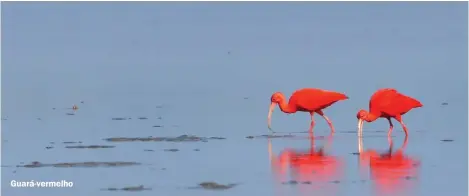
(387, 103)
(310, 100)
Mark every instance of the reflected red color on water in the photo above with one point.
(311, 168)
(393, 173)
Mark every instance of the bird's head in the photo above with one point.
(276, 98)
(362, 114)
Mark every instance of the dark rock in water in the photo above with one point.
(90, 146)
(408, 177)
(355, 153)
(182, 138)
(119, 118)
(157, 126)
(335, 181)
(215, 186)
(196, 149)
(130, 188)
(79, 142)
(291, 182)
(70, 114)
(148, 150)
(171, 150)
(306, 182)
(53, 108)
(444, 103)
(49, 147)
(142, 118)
(36, 164)
(447, 140)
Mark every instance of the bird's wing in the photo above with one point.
(383, 99)
(391, 101)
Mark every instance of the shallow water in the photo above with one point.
(175, 167)
(170, 104)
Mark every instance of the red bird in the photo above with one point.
(387, 103)
(306, 100)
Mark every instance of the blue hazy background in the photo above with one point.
(213, 66)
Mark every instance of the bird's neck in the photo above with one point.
(371, 117)
(285, 107)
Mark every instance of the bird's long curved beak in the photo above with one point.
(360, 127)
(269, 117)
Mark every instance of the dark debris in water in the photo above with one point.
(49, 147)
(196, 149)
(157, 126)
(119, 118)
(182, 138)
(90, 146)
(171, 150)
(70, 114)
(355, 153)
(148, 150)
(447, 140)
(409, 178)
(79, 142)
(142, 118)
(269, 136)
(37, 164)
(215, 186)
(444, 103)
(291, 182)
(130, 188)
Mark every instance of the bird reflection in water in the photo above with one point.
(392, 173)
(310, 169)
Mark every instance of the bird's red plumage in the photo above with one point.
(311, 99)
(389, 102)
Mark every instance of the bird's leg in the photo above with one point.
(327, 119)
(399, 118)
(390, 127)
(312, 124)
